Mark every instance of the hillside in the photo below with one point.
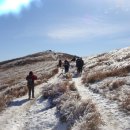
(99, 99)
(13, 73)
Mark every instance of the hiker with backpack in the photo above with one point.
(79, 65)
(60, 63)
(66, 66)
(30, 83)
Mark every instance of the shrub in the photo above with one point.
(54, 90)
(77, 113)
(91, 121)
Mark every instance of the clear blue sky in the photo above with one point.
(81, 27)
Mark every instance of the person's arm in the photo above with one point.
(34, 77)
(27, 78)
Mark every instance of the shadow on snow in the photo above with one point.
(17, 103)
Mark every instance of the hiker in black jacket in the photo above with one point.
(79, 65)
(60, 63)
(66, 66)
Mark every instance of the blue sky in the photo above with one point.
(79, 27)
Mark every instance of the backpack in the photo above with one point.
(79, 63)
(30, 82)
(66, 63)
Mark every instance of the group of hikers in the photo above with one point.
(66, 65)
(31, 77)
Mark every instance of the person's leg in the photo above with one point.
(29, 92)
(33, 91)
(78, 70)
(65, 69)
(81, 69)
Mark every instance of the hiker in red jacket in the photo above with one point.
(30, 83)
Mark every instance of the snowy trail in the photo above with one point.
(13, 117)
(34, 114)
(113, 119)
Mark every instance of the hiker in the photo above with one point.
(66, 66)
(60, 63)
(79, 65)
(74, 58)
(30, 83)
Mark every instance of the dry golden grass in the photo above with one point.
(46, 76)
(117, 84)
(68, 76)
(58, 89)
(98, 76)
(92, 123)
(10, 94)
(11, 82)
(3, 87)
(126, 103)
(104, 58)
(79, 115)
(2, 103)
(72, 86)
(70, 108)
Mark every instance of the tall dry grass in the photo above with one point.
(117, 84)
(78, 114)
(54, 90)
(70, 108)
(15, 92)
(125, 105)
(10, 94)
(99, 75)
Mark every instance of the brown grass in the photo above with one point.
(11, 82)
(98, 76)
(10, 94)
(70, 108)
(126, 103)
(78, 114)
(72, 86)
(101, 59)
(2, 103)
(46, 76)
(3, 87)
(117, 84)
(57, 89)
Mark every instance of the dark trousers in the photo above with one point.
(66, 69)
(79, 69)
(31, 90)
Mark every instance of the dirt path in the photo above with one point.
(113, 119)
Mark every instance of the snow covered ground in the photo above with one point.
(112, 118)
(37, 114)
